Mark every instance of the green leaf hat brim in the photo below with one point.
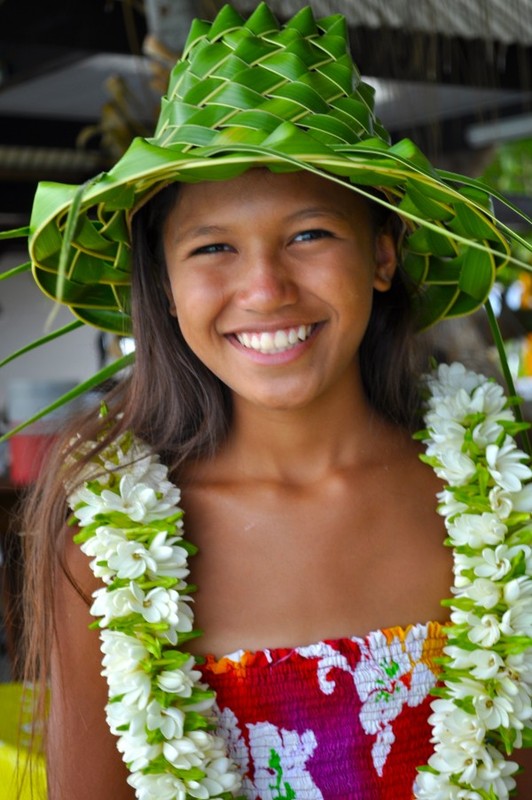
(254, 94)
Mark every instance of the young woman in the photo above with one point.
(274, 297)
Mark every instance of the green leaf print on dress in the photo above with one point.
(279, 758)
(281, 786)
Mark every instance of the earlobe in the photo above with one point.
(169, 296)
(385, 261)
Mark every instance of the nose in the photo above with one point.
(266, 283)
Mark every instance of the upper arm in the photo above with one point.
(83, 761)
(524, 780)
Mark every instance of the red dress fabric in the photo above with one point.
(343, 719)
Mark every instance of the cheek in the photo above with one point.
(197, 304)
(352, 285)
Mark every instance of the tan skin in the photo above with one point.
(316, 519)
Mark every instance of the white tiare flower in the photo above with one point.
(94, 504)
(109, 605)
(482, 664)
(131, 560)
(170, 721)
(101, 546)
(496, 773)
(448, 379)
(493, 711)
(488, 398)
(429, 786)
(518, 590)
(484, 631)
(138, 501)
(136, 751)
(158, 786)
(170, 558)
(122, 653)
(206, 751)
(445, 434)
(495, 563)
(453, 724)
(502, 502)
(448, 505)
(517, 620)
(476, 530)
(179, 681)
(505, 464)
(133, 687)
(183, 753)
(519, 665)
(522, 501)
(459, 758)
(155, 605)
(456, 468)
(104, 542)
(484, 592)
(121, 716)
(463, 564)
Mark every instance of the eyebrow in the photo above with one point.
(318, 211)
(195, 232)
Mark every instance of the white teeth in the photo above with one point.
(266, 342)
(280, 339)
(277, 341)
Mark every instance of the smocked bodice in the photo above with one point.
(343, 719)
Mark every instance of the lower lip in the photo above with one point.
(274, 359)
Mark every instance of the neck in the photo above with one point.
(304, 445)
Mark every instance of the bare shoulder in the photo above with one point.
(524, 779)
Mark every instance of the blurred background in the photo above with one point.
(78, 80)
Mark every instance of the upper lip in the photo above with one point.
(269, 327)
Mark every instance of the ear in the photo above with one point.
(385, 261)
(170, 297)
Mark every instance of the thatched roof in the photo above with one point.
(508, 21)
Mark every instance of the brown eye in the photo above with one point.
(207, 249)
(311, 235)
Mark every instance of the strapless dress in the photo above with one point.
(343, 719)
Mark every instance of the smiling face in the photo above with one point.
(271, 278)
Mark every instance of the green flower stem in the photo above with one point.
(499, 344)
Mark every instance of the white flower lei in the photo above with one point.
(485, 704)
(131, 527)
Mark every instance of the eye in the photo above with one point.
(312, 235)
(209, 249)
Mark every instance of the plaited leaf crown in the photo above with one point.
(257, 93)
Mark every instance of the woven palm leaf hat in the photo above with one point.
(250, 93)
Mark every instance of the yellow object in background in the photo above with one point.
(527, 355)
(15, 719)
(526, 297)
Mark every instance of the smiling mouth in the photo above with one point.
(275, 341)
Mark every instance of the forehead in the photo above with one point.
(260, 190)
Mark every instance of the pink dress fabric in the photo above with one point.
(343, 719)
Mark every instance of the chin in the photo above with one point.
(280, 401)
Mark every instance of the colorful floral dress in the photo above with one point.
(343, 719)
